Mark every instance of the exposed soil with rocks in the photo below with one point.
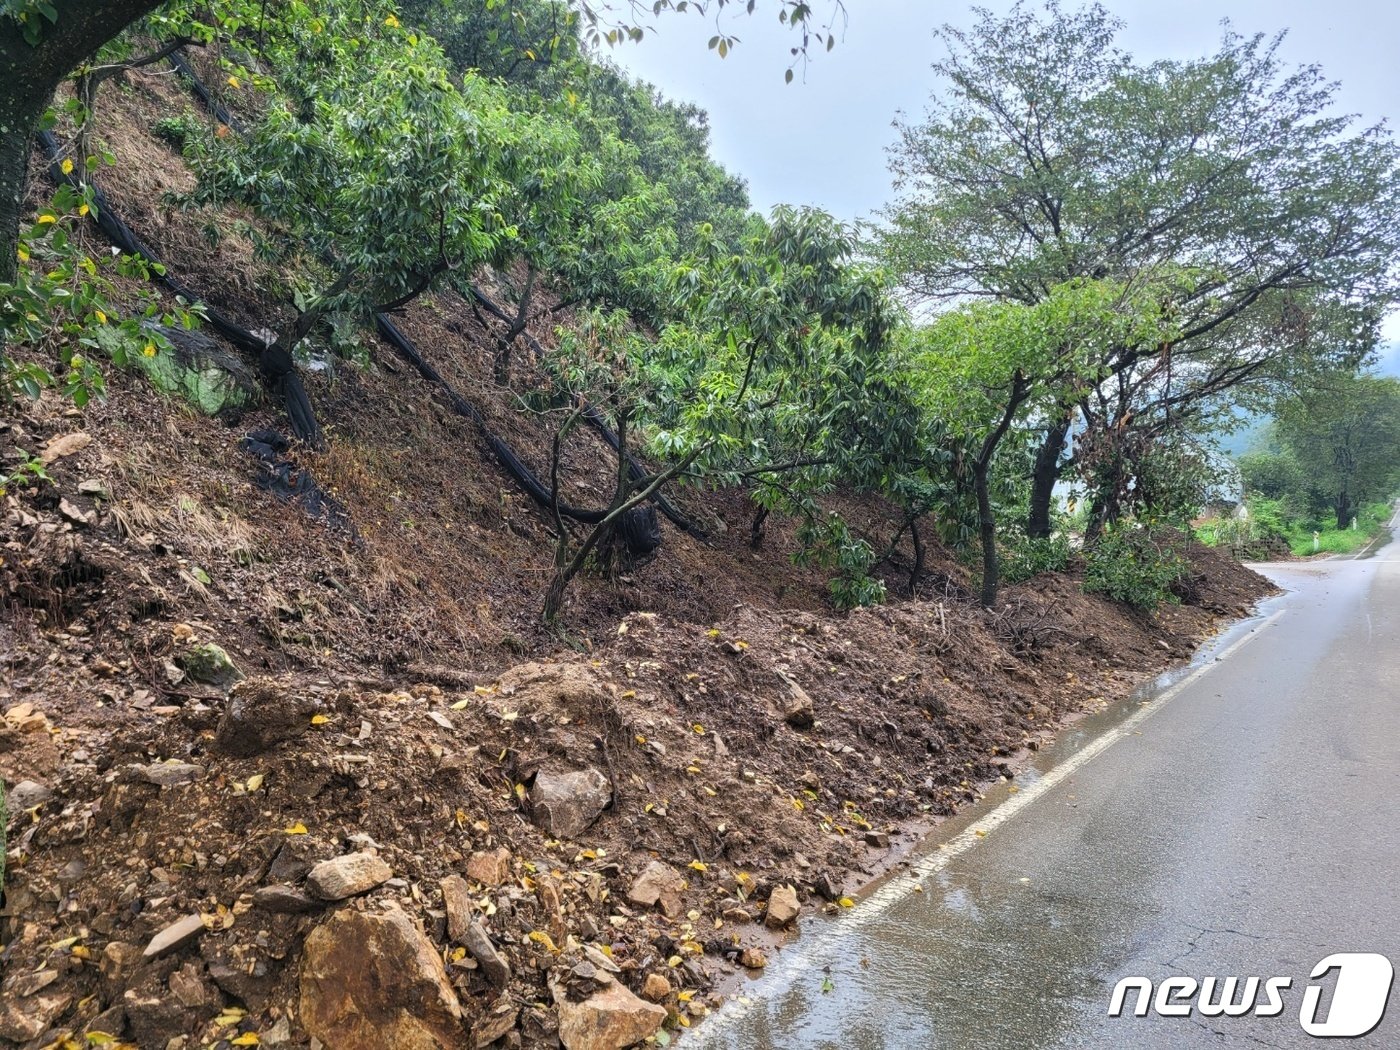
(274, 781)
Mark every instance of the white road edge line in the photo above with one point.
(802, 957)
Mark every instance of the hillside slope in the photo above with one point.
(395, 697)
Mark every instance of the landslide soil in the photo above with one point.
(414, 635)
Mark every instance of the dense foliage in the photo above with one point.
(1109, 258)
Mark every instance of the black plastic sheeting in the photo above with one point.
(289, 483)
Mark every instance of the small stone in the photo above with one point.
(609, 1019)
(210, 664)
(658, 884)
(93, 487)
(877, 839)
(170, 774)
(75, 514)
(739, 915)
(655, 987)
(489, 867)
(566, 804)
(117, 964)
(782, 908)
(347, 876)
(26, 795)
(189, 987)
(753, 959)
(21, 1021)
(64, 445)
(26, 984)
(284, 900)
(798, 710)
(499, 1020)
(457, 902)
(478, 943)
(175, 936)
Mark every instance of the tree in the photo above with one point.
(370, 161)
(1345, 435)
(40, 43)
(1052, 155)
(983, 366)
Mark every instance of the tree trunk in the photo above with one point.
(987, 528)
(1044, 474)
(29, 75)
(1345, 510)
(15, 135)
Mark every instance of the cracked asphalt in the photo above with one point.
(1247, 827)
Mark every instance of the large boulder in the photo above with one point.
(198, 369)
(261, 713)
(373, 981)
(610, 1019)
(566, 804)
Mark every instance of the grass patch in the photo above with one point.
(1369, 521)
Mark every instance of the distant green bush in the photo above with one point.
(1024, 557)
(1134, 564)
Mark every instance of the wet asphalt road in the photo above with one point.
(1242, 823)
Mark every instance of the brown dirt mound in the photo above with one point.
(737, 730)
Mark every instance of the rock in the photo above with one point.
(547, 890)
(169, 774)
(375, 982)
(753, 959)
(478, 942)
(190, 989)
(198, 369)
(110, 1022)
(495, 1023)
(457, 902)
(94, 488)
(739, 915)
(152, 1016)
(347, 876)
(609, 1019)
(26, 795)
(119, 961)
(566, 804)
(209, 663)
(175, 936)
(659, 883)
(490, 867)
(64, 445)
(260, 714)
(877, 839)
(24, 1019)
(75, 514)
(26, 984)
(782, 908)
(798, 710)
(655, 987)
(284, 900)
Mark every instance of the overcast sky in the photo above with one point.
(821, 140)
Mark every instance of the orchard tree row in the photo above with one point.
(1090, 267)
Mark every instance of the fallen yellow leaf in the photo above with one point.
(296, 829)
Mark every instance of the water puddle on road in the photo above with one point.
(952, 948)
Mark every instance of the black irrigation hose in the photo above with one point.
(212, 105)
(285, 382)
(599, 422)
(508, 459)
